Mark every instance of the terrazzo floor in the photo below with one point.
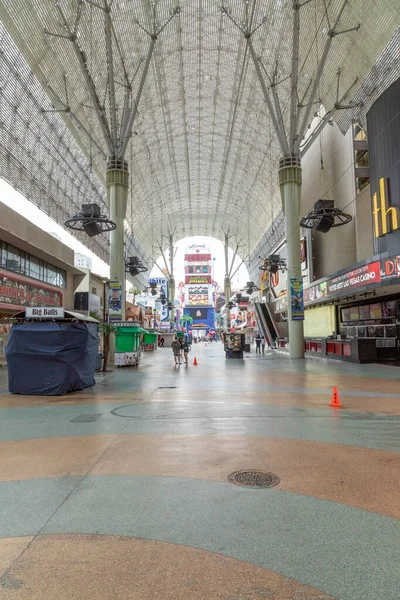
(137, 503)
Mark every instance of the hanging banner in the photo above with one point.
(296, 299)
(114, 301)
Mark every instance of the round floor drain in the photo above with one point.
(254, 479)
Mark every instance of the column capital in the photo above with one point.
(290, 169)
(117, 172)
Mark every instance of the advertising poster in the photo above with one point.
(296, 298)
(364, 313)
(114, 301)
(376, 311)
(354, 313)
(15, 291)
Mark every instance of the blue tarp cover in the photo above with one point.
(51, 359)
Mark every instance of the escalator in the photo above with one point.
(266, 322)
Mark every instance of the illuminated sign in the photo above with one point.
(198, 279)
(383, 211)
(274, 279)
(364, 275)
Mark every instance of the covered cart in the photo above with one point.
(127, 343)
(51, 351)
(150, 341)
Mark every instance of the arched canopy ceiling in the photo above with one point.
(203, 153)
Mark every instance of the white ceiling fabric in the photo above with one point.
(203, 154)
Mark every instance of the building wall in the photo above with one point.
(82, 284)
(336, 249)
(16, 230)
(26, 237)
(69, 292)
(364, 234)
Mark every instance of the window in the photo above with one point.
(17, 261)
(94, 291)
(35, 271)
(191, 269)
(361, 161)
(51, 274)
(205, 269)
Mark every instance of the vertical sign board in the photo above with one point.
(114, 301)
(162, 283)
(296, 299)
(384, 170)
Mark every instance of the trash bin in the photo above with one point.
(100, 357)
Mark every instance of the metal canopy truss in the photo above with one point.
(174, 87)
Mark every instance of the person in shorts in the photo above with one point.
(186, 348)
(176, 349)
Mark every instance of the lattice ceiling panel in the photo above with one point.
(203, 153)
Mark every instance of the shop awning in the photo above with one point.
(133, 329)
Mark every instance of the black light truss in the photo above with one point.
(325, 219)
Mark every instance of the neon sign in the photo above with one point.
(384, 211)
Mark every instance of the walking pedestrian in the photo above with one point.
(162, 342)
(176, 349)
(263, 344)
(258, 343)
(186, 348)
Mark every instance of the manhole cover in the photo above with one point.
(86, 418)
(254, 479)
(167, 387)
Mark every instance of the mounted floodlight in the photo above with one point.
(153, 288)
(134, 266)
(273, 263)
(162, 299)
(324, 216)
(250, 287)
(91, 221)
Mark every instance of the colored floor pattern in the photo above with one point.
(136, 503)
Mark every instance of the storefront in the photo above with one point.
(362, 303)
(16, 293)
(36, 269)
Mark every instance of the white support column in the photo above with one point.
(227, 285)
(171, 298)
(290, 185)
(228, 294)
(117, 181)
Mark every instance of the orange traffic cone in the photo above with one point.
(195, 361)
(335, 398)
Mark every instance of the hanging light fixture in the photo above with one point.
(324, 216)
(273, 263)
(91, 221)
(134, 266)
(250, 287)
